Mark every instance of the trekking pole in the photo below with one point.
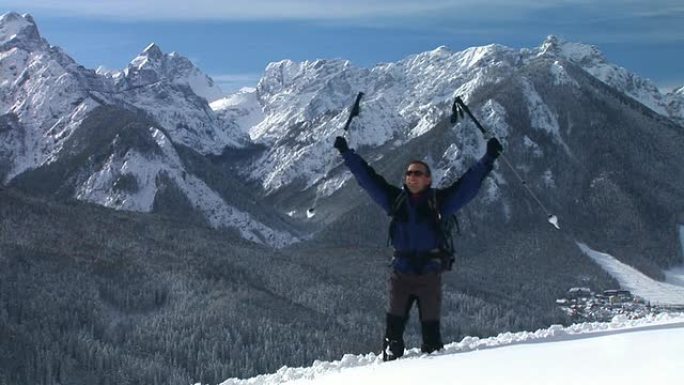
(355, 110)
(458, 109)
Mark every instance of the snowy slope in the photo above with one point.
(662, 293)
(146, 168)
(646, 351)
(242, 110)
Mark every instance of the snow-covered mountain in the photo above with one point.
(573, 124)
(303, 105)
(153, 66)
(403, 101)
(176, 94)
(592, 61)
(46, 97)
(279, 134)
(43, 99)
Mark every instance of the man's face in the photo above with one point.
(416, 178)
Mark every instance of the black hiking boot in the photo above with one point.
(393, 343)
(432, 338)
(392, 349)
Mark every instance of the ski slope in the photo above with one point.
(644, 351)
(660, 293)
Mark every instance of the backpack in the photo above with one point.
(445, 225)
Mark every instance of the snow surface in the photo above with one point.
(242, 109)
(644, 351)
(629, 278)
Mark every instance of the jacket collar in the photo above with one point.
(419, 197)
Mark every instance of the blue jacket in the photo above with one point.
(414, 230)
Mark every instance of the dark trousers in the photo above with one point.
(425, 289)
(404, 290)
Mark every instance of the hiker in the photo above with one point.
(420, 246)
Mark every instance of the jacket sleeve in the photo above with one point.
(462, 191)
(375, 185)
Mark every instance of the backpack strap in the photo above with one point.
(434, 207)
(394, 209)
(444, 226)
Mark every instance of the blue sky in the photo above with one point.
(233, 41)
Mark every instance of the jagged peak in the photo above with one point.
(280, 63)
(550, 43)
(439, 52)
(576, 52)
(153, 51)
(152, 54)
(13, 25)
(490, 49)
(14, 17)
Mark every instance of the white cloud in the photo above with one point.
(595, 22)
(230, 10)
(325, 9)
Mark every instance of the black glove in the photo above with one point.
(494, 148)
(341, 145)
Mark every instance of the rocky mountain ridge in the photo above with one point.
(278, 136)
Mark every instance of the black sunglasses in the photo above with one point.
(414, 172)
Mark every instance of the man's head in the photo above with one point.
(418, 176)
